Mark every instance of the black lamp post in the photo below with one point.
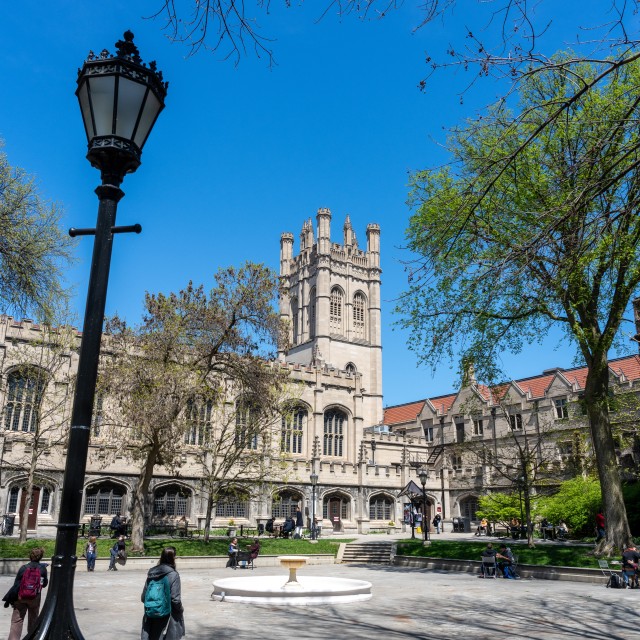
(120, 99)
(425, 521)
(314, 483)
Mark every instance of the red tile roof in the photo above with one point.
(629, 366)
(536, 386)
(442, 404)
(403, 413)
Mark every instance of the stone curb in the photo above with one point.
(535, 572)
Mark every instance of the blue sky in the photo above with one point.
(242, 153)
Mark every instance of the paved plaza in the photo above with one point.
(406, 603)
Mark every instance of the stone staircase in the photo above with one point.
(368, 552)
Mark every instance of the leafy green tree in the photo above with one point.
(33, 247)
(576, 502)
(508, 250)
(501, 507)
(193, 350)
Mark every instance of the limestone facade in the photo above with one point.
(331, 298)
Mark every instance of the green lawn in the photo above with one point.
(9, 547)
(559, 556)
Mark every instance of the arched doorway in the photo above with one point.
(336, 507)
(40, 503)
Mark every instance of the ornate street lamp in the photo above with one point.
(120, 99)
(314, 482)
(424, 476)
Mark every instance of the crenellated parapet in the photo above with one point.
(27, 330)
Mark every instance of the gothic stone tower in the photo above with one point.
(331, 298)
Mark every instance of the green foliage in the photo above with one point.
(517, 235)
(544, 555)
(500, 507)
(33, 247)
(576, 502)
(534, 224)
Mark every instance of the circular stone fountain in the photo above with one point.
(294, 591)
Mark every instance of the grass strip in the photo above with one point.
(543, 555)
(11, 548)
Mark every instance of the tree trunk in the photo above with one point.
(139, 502)
(24, 516)
(207, 519)
(596, 401)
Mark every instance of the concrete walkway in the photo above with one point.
(406, 604)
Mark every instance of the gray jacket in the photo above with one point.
(153, 628)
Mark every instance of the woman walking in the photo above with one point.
(163, 581)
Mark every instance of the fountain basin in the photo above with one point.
(270, 590)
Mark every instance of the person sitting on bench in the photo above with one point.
(268, 527)
(289, 526)
(233, 553)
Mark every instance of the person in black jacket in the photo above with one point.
(20, 606)
(288, 526)
(299, 522)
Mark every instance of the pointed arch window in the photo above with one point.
(24, 396)
(246, 425)
(381, 508)
(198, 422)
(233, 506)
(171, 501)
(104, 499)
(359, 315)
(293, 423)
(335, 310)
(312, 313)
(334, 428)
(285, 504)
(294, 321)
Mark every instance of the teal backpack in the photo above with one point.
(157, 598)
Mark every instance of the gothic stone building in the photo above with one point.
(365, 456)
(332, 302)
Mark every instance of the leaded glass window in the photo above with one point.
(334, 428)
(24, 395)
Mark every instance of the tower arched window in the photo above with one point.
(359, 315)
(24, 396)
(334, 428)
(312, 313)
(294, 321)
(292, 430)
(335, 310)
